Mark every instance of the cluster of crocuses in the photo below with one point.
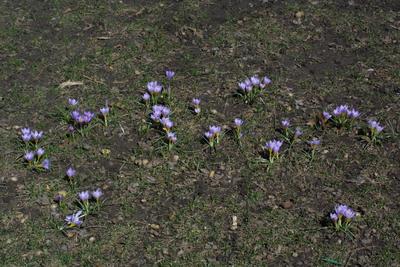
(289, 134)
(34, 154)
(273, 147)
(80, 119)
(342, 116)
(86, 205)
(196, 105)
(251, 87)
(374, 130)
(342, 216)
(155, 89)
(160, 115)
(213, 136)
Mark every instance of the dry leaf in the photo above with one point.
(70, 83)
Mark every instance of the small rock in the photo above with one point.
(154, 226)
(234, 222)
(92, 239)
(288, 204)
(14, 179)
(165, 251)
(299, 14)
(295, 254)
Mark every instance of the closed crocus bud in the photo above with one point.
(238, 122)
(285, 123)
(146, 96)
(170, 74)
(46, 164)
(298, 132)
(72, 102)
(105, 110)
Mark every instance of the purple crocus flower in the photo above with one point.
(208, 134)
(165, 111)
(88, 116)
(196, 101)
(25, 131)
(333, 217)
(215, 130)
(374, 125)
(26, 134)
(71, 172)
(70, 128)
(40, 152)
(167, 123)
(171, 137)
(266, 80)
(314, 142)
(155, 116)
(285, 123)
(255, 80)
(340, 110)
(326, 115)
(349, 214)
(242, 86)
(161, 110)
(74, 219)
(341, 209)
(344, 210)
(146, 96)
(75, 115)
(36, 135)
(238, 122)
(84, 195)
(29, 156)
(72, 102)
(353, 113)
(273, 145)
(170, 74)
(58, 198)
(154, 87)
(298, 132)
(26, 137)
(46, 164)
(97, 194)
(105, 110)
